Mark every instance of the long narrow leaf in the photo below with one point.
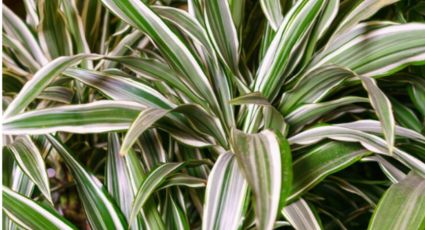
(225, 195)
(101, 211)
(259, 157)
(31, 215)
(96, 117)
(31, 162)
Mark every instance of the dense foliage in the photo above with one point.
(214, 114)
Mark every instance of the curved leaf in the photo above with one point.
(40, 80)
(407, 195)
(31, 215)
(31, 162)
(96, 117)
(313, 166)
(259, 158)
(153, 181)
(101, 211)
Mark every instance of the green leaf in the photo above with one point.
(58, 94)
(32, 164)
(417, 95)
(259, 158)
(383, 110)
(175, 217)
(251, 98)
(153, 181)
(144, 121)
(31, 215)
(407, 195)
(300, 216)
(54, 37)
(225, 195)
(149, 217)
(316, 164)
(96, 117)
(40, 80)
(101, 211)
(181, 179)
(405, 116)
(76, 28)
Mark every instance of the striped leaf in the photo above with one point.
(308, 113)
(144, 121)
(373, 126)
(222, 31)
(153, 181)
(120, 88)
(29, 214)
(16, 28)
(300, 216)
(313, 166)
(259, 156)
(156, 70)
(149, 216)
(201, 120)
(21, 53)
(96, 117)
(76, 28)
(101, 211)
(383, 109)
(32, 164)
(273, 11)
(39, 81)
(292, 32)
(57, 93)
(175, 217)
(362, 11)
(368, 49)
(55, 39)
(225, 195)
(139, 15)
(117, 176)
(186, 23)
(370, 142)
(180, 179)
(407, 195)
(317, 84)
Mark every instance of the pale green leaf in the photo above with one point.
(402, 206)
(383, 110)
